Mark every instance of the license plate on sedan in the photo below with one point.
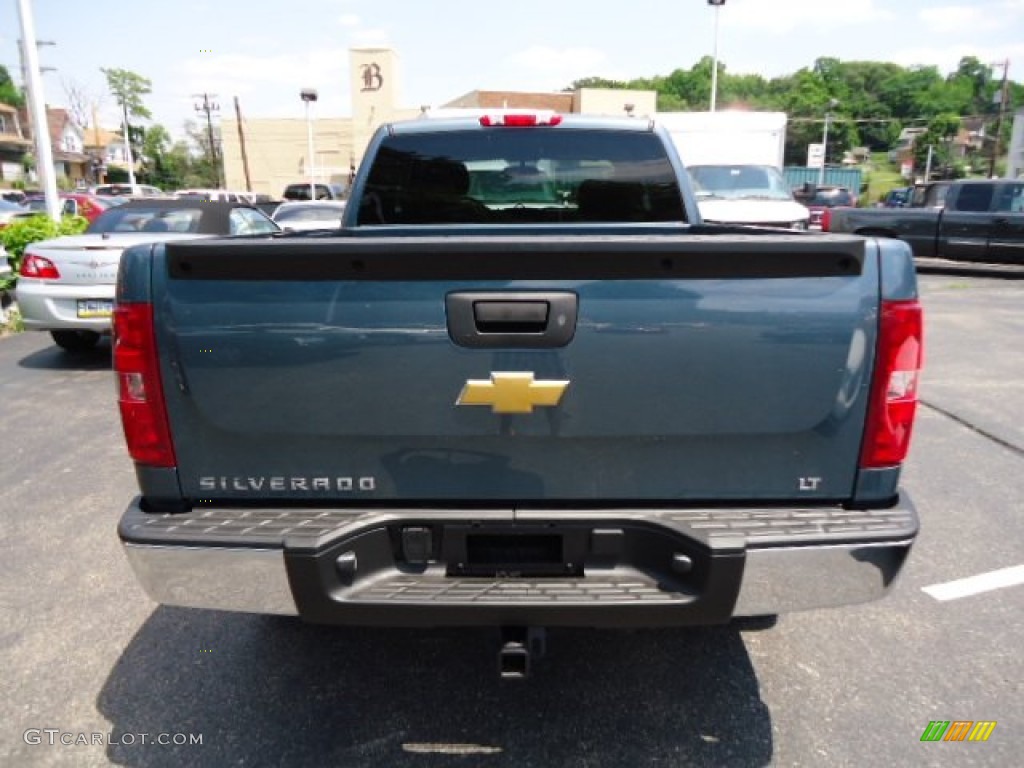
(95, 307)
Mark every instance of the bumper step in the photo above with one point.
(461, 567)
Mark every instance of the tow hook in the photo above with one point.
(520, 646)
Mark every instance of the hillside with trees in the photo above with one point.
(876, 99)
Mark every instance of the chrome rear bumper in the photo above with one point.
(731, 575)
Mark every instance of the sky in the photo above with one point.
(265, 51)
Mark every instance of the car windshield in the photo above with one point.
(155, 219)
(319, 212)
(739, 182)
(831, 198)
(301, 192)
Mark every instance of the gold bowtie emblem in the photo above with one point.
(511, 392)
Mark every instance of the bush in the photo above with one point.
(17, 236)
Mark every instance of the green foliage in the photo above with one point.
(23, 232)
(942, 129)
(876, 99)
(10, 93)
(128, 88)
(64, 184)
(12, 322)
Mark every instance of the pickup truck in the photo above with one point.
(980, 221)
(588, 409)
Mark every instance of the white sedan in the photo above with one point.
(304, 216)
(66, 285)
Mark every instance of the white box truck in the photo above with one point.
(734, 159)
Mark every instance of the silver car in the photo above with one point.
(66, 285)
(303, 216)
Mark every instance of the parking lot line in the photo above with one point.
(973, 585)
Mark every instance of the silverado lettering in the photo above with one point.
(344, 484)
(719, 375)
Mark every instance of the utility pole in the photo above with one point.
(37, 104)
(209, 107)
(832, 104)
(1005, 64)
(241, 143)
(24, 67)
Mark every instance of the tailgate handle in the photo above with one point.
(489, 319)
(511, 316)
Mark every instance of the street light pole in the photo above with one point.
(717, 4)
(309, 96)
(37, 104)
(832, 104)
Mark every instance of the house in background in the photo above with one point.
(108, 148)
(13, 146)
(970, 138)
(68, 143)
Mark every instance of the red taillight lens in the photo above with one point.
(521, 121)
(139, 391)
(38, 267)
(826, 220)
(894, 385)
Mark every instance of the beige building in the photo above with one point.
(276, 149)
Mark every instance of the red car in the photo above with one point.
(820, 199)
(73, 203)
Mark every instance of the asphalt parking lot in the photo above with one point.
(85, 652)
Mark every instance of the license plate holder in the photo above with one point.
(513, 552)
(93, 308)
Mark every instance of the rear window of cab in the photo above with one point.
(521, 175)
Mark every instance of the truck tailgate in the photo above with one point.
(669, 368)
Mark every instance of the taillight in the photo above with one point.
(524, 120)
(38, 267)
(139, 391)
(826, 220)
(894, 384)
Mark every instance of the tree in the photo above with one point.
(876, 99)
(157, 168)
(940, 134)
(128, 88)
(201, 169)
(80, 103)
(9, 92)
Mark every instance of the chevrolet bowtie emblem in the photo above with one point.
(512, 392)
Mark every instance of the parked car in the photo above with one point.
(258, 198)
(301, 191)
(978, 220)
(112, 200)
(896, 198)
(819, 198)
(314, 214)
(66, 285)
(222, 195)
(72, 204)
(120, 190)
(11, 211)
